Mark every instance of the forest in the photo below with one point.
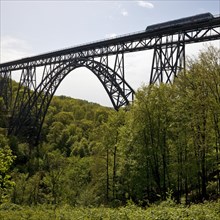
(156, 157)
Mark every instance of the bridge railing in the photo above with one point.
(91, 42)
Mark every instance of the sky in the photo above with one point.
(32, 27)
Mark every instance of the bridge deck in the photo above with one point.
(205, 31)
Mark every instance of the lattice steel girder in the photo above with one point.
(104, 60)
(130, 43)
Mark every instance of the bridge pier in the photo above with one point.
(26, 85)
(6, 89)
(20, 118)
(118, 69)
(168, 59)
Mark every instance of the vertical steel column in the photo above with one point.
(168, 59)
(26, 87)
(119, 68)
(105, 62)
(119, 64)
(6, 89)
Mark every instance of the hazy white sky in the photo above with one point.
(34, 27)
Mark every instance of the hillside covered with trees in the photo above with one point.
(165, 146)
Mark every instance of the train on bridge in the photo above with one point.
(180, 22)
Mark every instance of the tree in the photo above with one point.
(6, 160)
(171, 135)
(146, 139)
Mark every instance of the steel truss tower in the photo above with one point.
(6, 89)
(168, 59)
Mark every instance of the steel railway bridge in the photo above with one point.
(28, 110)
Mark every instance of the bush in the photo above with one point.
(206, 211)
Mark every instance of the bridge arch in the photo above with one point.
(33, 112)
(83, 84)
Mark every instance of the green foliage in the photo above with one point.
(171, 136)
(6, 160)
(206, 211)
(163, 150)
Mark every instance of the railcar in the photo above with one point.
(179, 22)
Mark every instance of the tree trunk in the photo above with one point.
(114, 174)
(107, 176)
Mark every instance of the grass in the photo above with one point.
(206, 211)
